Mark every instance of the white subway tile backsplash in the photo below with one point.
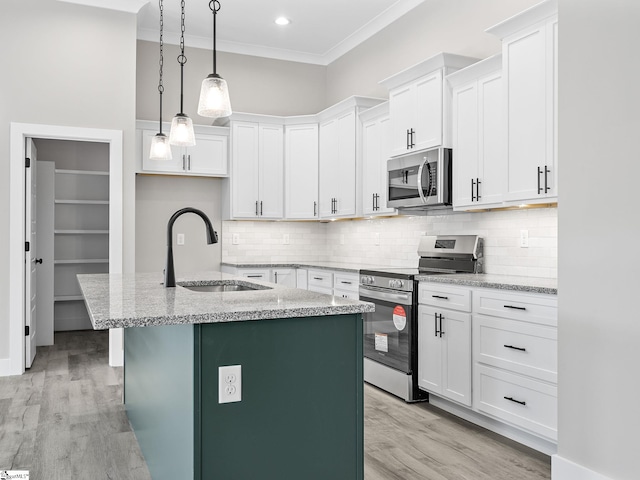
(399, 238)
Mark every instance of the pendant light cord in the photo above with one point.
(181, 58)
(161, 62)
(214, 5)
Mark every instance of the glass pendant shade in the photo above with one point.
(182, 131)
(214, 97)
(160, 148)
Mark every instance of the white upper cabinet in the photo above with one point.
(301, 171)
(257, 159)
(340, 189)
(478, 135)
(420, 104)
(529, 49)
(376, 150)
(208, 157)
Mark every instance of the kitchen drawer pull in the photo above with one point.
(514, 307)
(515, 348)
(254, 276)
(440, 296)
(346, 283)
(511, 399)
(318, 278)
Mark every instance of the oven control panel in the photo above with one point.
(384, 282)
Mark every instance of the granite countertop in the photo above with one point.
(499, 282)
(339, 266)
(138, 300)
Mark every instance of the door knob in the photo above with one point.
(38, 260)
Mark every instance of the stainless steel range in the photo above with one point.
(391, 332)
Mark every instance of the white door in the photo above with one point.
(30, 313)
(271, 178)
(428, 120)
(244, 169)
(208, 156)
(301, 171)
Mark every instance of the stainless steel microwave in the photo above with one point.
(421, 180)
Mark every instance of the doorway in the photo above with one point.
(20, 133)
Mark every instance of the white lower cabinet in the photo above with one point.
(515, 355)
(494, 351)
(320, 281)
(284, 276)
(346, 285)
(444, 344)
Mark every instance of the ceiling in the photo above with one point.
(319, 32)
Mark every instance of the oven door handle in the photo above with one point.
(404, 298)
(422, 197)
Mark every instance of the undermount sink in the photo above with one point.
(223, 287)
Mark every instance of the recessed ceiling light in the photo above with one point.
(282, 21)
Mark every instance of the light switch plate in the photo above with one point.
(180, 239)
(235, 238)
(524, 238)
(230, 384)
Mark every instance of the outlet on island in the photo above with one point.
(230, 384)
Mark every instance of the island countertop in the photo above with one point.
(139, 300)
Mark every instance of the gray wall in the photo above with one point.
(454, 26)
(599, 331)
(157, 198)
(65, 65)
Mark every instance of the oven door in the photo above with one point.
(388, 330)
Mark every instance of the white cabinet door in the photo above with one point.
(402, 112)
(338, 166)
(491, 151)
(465, 144)
(208, 156)
(284, 276)
(529, 70)
(301, 172)
(416, 114)
(444, 353)
(478, 142)
(376, 136)
(245, 167)
(271, 174)
(428, 112)
(173, 166)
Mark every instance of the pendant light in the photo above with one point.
(182, 126)
(214, 94)
(160, 149)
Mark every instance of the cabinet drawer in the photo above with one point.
(257, 274)
(320, 278)
(498, 393)
(516, 346)
(346, 282)
(447, 296)
(517, 306)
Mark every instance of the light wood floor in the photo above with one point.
(64, 419)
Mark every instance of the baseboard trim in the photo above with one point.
(5, 368)
(563, 469)
(532, 441)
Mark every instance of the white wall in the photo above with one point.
(454, 26)
(65, 65)
(354, 241)
(599, 144)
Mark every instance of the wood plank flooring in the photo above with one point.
(64, 419)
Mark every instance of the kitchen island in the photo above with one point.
(300, 413)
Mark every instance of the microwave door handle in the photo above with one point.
(422, 197)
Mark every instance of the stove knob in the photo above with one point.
(396, 283)
(371, 280)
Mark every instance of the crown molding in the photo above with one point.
(129, 6)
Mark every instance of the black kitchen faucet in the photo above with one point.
(212, 237)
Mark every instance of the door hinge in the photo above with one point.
(26, 330)
(27, 246)
(27, 162)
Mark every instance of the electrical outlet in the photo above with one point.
(376, 238)
(230, 384)
(180, 239)
(235, 238)
(524, 238)
(285, 239)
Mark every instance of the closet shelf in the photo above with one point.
(81, 232)
(67, 298)
(81, 261)
(81, 202)
(80, 172)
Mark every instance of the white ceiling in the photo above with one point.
(320, 31)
